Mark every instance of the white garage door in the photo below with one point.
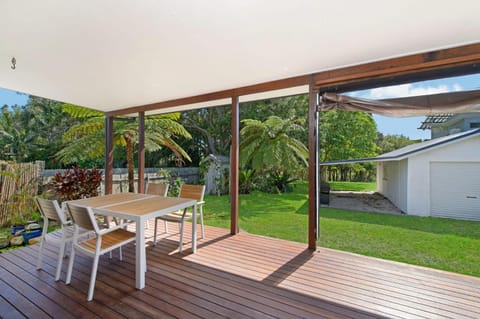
(455, 190)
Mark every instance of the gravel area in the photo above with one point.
(362, 201)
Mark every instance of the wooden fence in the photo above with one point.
(18, 187)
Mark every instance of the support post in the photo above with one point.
(141, 152)
(318, 173)
(312, 168)
(108, 154)
(234, 166)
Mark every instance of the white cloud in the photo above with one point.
(427, 90)
(404, 90)
(457, 87)
(389, 91)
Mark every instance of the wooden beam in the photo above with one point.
(108, 155)
(251, 89)
(312, 168)
(446, 59)
(141, 152)
(234, 166)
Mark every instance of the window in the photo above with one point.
(475, 125)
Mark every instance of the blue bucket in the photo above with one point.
(16, 228)
(31, 234)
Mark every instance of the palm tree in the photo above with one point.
(269, 147)
(15, 136)
(87, 139)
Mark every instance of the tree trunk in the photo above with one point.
(323, 174)
(131, 182)
(210, 139)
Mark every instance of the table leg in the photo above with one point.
(140, 255)
(194, 229)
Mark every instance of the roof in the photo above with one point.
(114, 54)
(413, 149)
(434, 119)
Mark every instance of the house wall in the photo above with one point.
(472, 123)
(419, 171)
(380, 183)
(456, 127)
(392, 180)
(459, 123)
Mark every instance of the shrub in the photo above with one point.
(173, 180)
(246, 178)
(77, 183)
(275, 182)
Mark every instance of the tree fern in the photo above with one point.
(87, 140)
(268, 145)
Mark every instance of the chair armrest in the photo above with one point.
(68, 223)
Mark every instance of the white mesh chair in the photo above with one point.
(196, 192)
(51, 211)
(105, 240)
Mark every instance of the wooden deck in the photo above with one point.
(243, 276)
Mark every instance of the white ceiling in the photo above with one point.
(113, 54)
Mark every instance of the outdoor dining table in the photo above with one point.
(140, 208)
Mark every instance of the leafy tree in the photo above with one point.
(15, 136)
(213, 128)
(33, 131)
(212, 125)
(291, 107)
(388, 143)
(346, 135)
(269, 148)
(49, 123)
(87, 139)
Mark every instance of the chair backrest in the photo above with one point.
(51, 210)
(157, 189)
(192, 191)
(82, 217)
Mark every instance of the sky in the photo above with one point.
(386, 125)
(11, 98)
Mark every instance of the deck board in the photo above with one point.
(242, 276)
(8, 311)
(347, 282)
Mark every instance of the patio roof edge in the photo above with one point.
(236, 92)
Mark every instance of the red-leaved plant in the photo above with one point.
(77, 183)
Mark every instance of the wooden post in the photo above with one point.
(141, 152)
(312, 168)
(318, 173)
(234, 158)
(108, 154)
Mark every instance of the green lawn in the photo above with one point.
(354, 186)
(446, 244)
